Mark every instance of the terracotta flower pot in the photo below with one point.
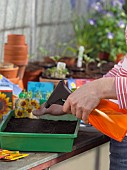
(21, 71)
(103, 56)
(15, 57)
(4, 65)
(17, 60)
(31, 75)
(19, 83)
(12, 53)
(54, 81)
(70, 61)
(119, 57)
(14, 80)
(47, 59)
(16, 52)
(16, 37)
(16, 47)
(9, 72)
(16, 42)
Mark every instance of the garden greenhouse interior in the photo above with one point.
(63, 79)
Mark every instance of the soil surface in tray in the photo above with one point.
(26, 125)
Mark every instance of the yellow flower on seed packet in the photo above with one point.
(73, 85)
(1, 76)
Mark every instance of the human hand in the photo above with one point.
(85, 99)
(54, 109)
(82, 101)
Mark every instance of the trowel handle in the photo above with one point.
(59, 95)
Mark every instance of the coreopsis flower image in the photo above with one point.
(22, 103)
(28, 110)
(34, 103)
(19, 113)
(25, 104)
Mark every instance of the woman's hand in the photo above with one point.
(85, 99)
(81, 102)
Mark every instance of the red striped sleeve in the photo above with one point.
(121, 91)
(122, 73)
(119, 71)
(121, 84)
(114, 71)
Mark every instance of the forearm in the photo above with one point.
(105, 88)
(112, 88)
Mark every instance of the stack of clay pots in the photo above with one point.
(16, 52)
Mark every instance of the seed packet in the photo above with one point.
(11, 155)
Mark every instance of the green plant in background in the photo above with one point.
(55, 58)
(87, 61)
(125, 6)
(102, 31)
(108, 22)
(100, 62)
(83, 36)
(62, 47)
(43, 51)
(30, 57)
(54, 72)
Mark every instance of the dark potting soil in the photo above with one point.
(26, 125)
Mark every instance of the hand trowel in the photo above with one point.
(59, 95)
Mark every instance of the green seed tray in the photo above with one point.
(38, 142)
